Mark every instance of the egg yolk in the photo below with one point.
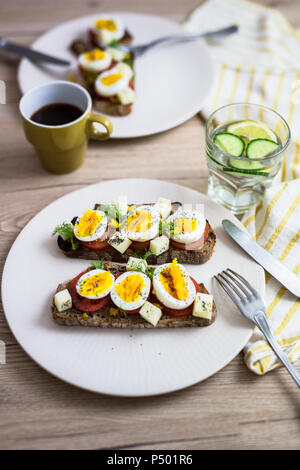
(140, 221)
(96, 284)
(88, 223)
(130, 288)
(111, 79)
(104, 23)
(173, 281)
(95, 54)
(185, 225)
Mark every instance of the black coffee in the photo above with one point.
(56, 114)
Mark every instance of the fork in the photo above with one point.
(251, 305)
(139, 50)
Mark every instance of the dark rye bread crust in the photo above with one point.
(111, 254)
(113, 109)
(103, 319)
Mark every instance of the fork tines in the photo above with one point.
(237, 287)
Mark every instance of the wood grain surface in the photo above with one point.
(234, 409)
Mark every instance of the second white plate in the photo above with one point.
(120, 362)
(172, 82)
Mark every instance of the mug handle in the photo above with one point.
(97, 135)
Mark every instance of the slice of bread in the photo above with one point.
(113, 109)
(103, 318)
(199, 256)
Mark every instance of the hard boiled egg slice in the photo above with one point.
(95, 60)
(109, 29)
(90, 226)
(125, 70)
(142, 223)
(111, 82)
(173, 286)
(186, 226)
(95, 284)
(131, 290)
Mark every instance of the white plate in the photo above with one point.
(172, 82)
(120, 362)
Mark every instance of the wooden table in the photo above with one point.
(234, 409)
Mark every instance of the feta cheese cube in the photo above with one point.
(150, 313)
(159, 245)
(120, 242)
(126, 96)
(116, 53)
(136, 264)
(63, 300)
(164, 207)
(203, 305)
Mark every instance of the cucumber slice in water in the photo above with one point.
(260, 148)
(230, 143)
(244, 165)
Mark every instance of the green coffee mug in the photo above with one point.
(62, 148)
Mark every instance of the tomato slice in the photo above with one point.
(83, 304)
(194, 245)
(185, 311)
(99, 244)
(93, 37)
(96, 245)
(129, 312)
(140, 246)
(131, 84)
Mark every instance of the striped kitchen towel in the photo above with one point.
(261, 64)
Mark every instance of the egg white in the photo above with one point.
(95, 65)
(188, 214)
(137, 303)
(168, 300)
(152, 232)
(89, 274)
(114, 88)
(125, 70)
(105, 36)
(100, 229)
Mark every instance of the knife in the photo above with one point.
(286, 277)
(24, 51)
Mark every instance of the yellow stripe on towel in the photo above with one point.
(282, 223)
(269, 208)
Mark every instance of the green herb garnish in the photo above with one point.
(100, 264)
(128, 60)
(65, 230)
(165, 226)
(150, 272)
(111, 211)
(144, 255)
(142, 267)
(114, 43)
(90, 77)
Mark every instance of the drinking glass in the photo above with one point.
(235, 188)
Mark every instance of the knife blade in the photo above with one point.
(280, 272)
(24, 51)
